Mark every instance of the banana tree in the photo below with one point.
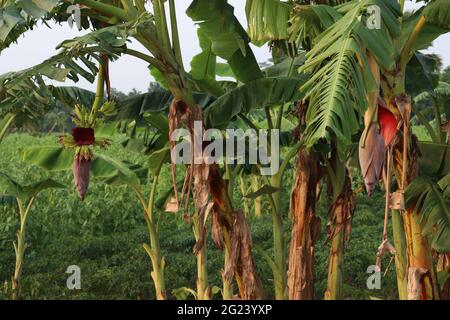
(144, 119)
(152, 32)
(165, 57)
(25, 196)
(153, 249)
(269, 92)
(291, 27)
(115, 172)
(353, 65)
(414, 35)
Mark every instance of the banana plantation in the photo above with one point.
(353, 117)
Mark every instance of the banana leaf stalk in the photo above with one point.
(203, 290)
(154, 249)
(257, 201)
(20, 245)
(243, 188)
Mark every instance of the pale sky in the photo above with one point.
(128, 72)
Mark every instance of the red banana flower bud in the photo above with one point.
(388, 123)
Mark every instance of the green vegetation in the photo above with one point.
(104, 233)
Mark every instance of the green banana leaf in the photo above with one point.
(59, 159)
(432, 210)
(256, 94)
(25, 192)
(228, 38)
(267, 19)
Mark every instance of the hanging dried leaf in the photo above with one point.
(305, 228)
(384, 247)
(397, 200)
(217, 229)
(241, 260)
(174, 120)
(203, 215)
(172, 205)
(341, 212)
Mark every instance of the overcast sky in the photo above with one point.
(128, 72)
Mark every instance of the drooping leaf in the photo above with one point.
(255, 94)
(37, 8)
(228, 39)
(267, 19)
(224, 70)
(153, 102)
(159, 77)
(59, 159)
(422, 73)
(5, 124)
(443, 276)
(203, 65)
(25, 192)
(49, 158)
(432, 211)
(134, 107)
(121, 178)
(71, 95)
(309, 21)
(264, 190)
(438, 12)
(157, 158)
(437, 22)
(74, 61)
(287, 67)
(435, 159)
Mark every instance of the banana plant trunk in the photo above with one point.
(280, 280)
(400, 254)
(243, 189)
(202, 275)
(305, 228)
(340, 213)
(421, 275)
